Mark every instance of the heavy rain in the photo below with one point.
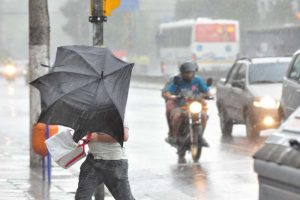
(210, 113)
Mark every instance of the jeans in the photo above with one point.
(113, 173)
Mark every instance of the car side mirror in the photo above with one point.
(222, 80)
(209, 82)
(239, 84)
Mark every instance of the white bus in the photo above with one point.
(213, 44)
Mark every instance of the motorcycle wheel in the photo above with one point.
(196, 147)
(196, 151)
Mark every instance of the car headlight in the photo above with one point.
(268, 121)
(266, 102)
(195, 107)
(10, 70)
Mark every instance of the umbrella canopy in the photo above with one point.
(86, 90)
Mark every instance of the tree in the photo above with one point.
(3, 52)
(280, 13)
(39, 39)
(77, 26)
(244, 11)
(186, 9)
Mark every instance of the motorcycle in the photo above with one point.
(191, 138)
(10, 72)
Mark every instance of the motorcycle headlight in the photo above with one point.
(266, 102)
(10, 70)
(195, 107)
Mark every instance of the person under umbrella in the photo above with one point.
(87, 90)
(106, 163)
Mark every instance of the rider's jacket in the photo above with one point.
(178, 85)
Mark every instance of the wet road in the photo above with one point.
(225, 171)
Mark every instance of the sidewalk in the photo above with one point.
(17, 180)
(146, 82)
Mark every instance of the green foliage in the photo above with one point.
(77, 26)
(3, 52)
(280, 14)
(117, 31)
(245, 11)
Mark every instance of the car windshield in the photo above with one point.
(267, 72)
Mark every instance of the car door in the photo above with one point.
(291, 88)
(228, 99)
(238, 94)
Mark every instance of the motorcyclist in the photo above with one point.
(176, 117)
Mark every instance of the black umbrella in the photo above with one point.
(87, 90)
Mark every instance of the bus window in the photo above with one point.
(215, 33)
(176, 37)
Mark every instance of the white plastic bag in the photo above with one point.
(64, 151)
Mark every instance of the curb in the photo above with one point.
(147, 82)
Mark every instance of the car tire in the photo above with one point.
(281, 114)
(251, 130)
(225, 123)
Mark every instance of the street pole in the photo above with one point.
(97, 19)
(39, 39)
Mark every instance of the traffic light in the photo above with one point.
(109, 6)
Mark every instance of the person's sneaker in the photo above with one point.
(181, 160)
(167, 140)
(205, 143)
(171, 140)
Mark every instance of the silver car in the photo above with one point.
(251, 94)
(290, 99)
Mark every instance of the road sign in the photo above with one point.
(109, 6)
(128, 6)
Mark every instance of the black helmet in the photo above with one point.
(188, 67)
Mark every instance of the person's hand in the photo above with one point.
(173, 97)
(102, 137)
(209, 98)
(180, 97)
(94, 137)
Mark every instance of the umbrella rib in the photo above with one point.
(102, 71)
(115, 107)
(71, 92)
(55, 72)
(74, 73)
(129, 65)
(78, 53)
(110, 94)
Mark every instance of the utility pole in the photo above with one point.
(100, 9)
(97, 19)
(39, 39)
